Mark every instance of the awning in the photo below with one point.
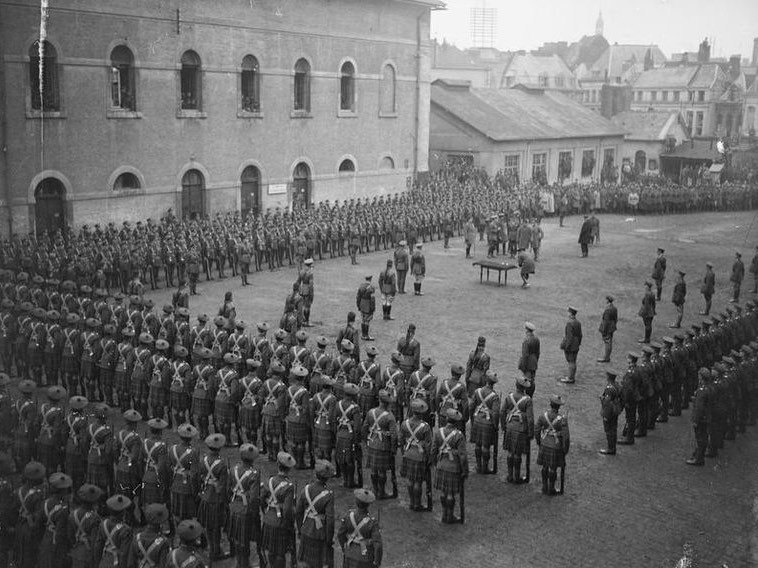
(716, 168)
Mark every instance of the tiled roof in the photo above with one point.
(667, 77)
(528, 67)
(447, 56)
(694, 150)
(641, 125)
(615, 56)
(520, 114)
(705, 76)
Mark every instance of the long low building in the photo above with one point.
(119, 110)
(528, 133)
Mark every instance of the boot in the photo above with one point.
(445, 512)
(486, 462)
(517, 470)
(478, 454)
(381, 482)
(389, 313)
(412, 498)
(544, 481)
(394, 484)
(551, 483)
(359, 467)
(451, 518)
(509, 461)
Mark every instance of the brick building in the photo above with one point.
(207, 106)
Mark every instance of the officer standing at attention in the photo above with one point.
(659, 272)
(552, 436)
(530, 356)
(401, 265)
(708, 287)
(572, 339)
(365, 301)
(678, 298)
(647, 311)
(418, 269)
(610, 408)
(608, 328)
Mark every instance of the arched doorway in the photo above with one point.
(193, 194)
(640, 161)
(250, 191)
(50, 207)
(301, 186)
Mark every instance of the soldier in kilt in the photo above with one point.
(260, 348)
(53, 347)
(367, 374)
(517, 422)
(128, 454)
(449, 456)
(90, 356)
(320, 364)
(53, 548)
(115, 535)
(244, 523)
(485, 418)
(314, 514)
(452, 394)
(226, 387)
(393, 380)
(218, 337)
(26, 424)
(141, 373)
(159, 380)
(122, 373)
(552, 436)
(77, 442)
(422, 385)
(157, 473)
(52, 435)
(343, 367)
(199, 338)
(298, 421)
(380, 433)
(185, 467)
(359, 534)
(28, 501)
(35, 349)
(278, 507)
(203, 381)
(179, 393)
(106, 364)
(249, 412)
(149, 548)
(274, 409)
(323, 411)
(476, 367)
(214, 501)
(7, 333)
(100, 456)
(415, 441)
(187, 555)
(83, 526)
(348, 452)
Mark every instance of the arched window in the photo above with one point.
(251, 79)
(122, 79)
(193, 194)
(387, 163)
(387, 94)
(44, 97)
(301, 186)
(640, 161)
(347, 166)
(191, 81)
(302, 92)
(250, 189)
(127, 180)
(49, 206)
(347, 86)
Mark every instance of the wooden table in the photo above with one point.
(488, 264)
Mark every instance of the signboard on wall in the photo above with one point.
(277, 188)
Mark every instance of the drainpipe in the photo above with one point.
(417, 106)
(4, 174)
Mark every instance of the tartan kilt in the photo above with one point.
(277, 541)
(70, 364)
(52, 361)
(88, 368)
(483, 434)
(224, 411)
(202, 406)
(106, 376)
(323, 439)
(126, 476)
(366, 403)
(48, 455)
(551, 458)
(212, 516)
(272, 424)
(23, 449)
(99, 474)
(447, 481)
(515, 441)
(152, 493)
(243, 524)
(122, 381)
(298, 432)
(312, 551)
(183, 506)
(75, 466)
(138, 389)
(157, 396)
(250, 417)
(344, 452)
(34, 356)
(379, 460)
(179, 400)
(413, 470)
(354, 563)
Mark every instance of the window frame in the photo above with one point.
(305, 78)
(539, 167)
(588, 152)
(347, 172)
(348, 96)
(385, 112)
(32, 112)
(254, 82)
(197, 80)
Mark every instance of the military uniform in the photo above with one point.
(476, 367)
(359, 534)
(244, 505)
(214, 501)
(610, 408)
(185, 466)
(380, 433)
(517, 422)
(449, 457)
(553, 439)
(415, 440)
(314, 516)
(278, 508)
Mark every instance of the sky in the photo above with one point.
(675, 25)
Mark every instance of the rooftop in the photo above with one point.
(646, 125)
(617, 57)
(680, 77)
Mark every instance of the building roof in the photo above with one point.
(448, 56)
(679, 77)
(429, 3)
(532, 66)
(617, 57)
(520, 114)
(646, 125)
(694, 150)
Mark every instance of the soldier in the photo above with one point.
(647, 311)
(610, 408)
(632, 397)
(77, 443)
(572, 339)
(409, 349)
(261, 348)
(423, 385)
(193, 271)
(52, 435)
(365, 301)
(418, 269)
(701, 408)
(83, 526)
(359, 535)
(106, 364)
(552, 436)
(351, 334)
(484, 423)
(299, 354)
(122, 372)
(179, 299)
(320, 364)
(608, 328)
(179, 394)
(249, 411)
(203, 393)
(449, 457)
(388, 289)
(237, 342)
(530, 356)
(53, 347)
(477, 366)
(218, 340)
(114, 535)
(380, 433)
(26, 419)
(314, 515)
(368, 374)
(274, 409)
(29, 528)
(306, 289)
(199, 338)
(278, 507)
(678, 298)
(517, 422)
(415, 440)
(214, 501)
(245, 258)
(226, 387)
(54, 544)
(343, 368)
(157, 474)
(298, 421)
(185, 466)
(647, 389)
(7, 333)
(244, 523)
(348, 447)
(100, 456)
(160, 380)
(738, 274)
(666, 373)
(128, 459)
(659, 272)
(323, 408)
(452, 394)
(186, 554)
(150, 547)
(402, 261)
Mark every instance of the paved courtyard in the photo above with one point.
(636, 509)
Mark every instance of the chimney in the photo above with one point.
(755, 52)
(704, 52)
(734, 67)
(648, 63)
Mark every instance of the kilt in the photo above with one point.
(353, 563)
(571, 356)
(413, 470)
(52, 361)
(312, 551)
(183, 505)
(419, 277)
(243, 524)
(272, 424)
(323, 439)
(366, 317)
(298, 432)
(515, 441)
(212, 516)
(447, 481)
(157, 396)
(202, 406)
(483, 434)
(75, 466)
(70, 364)
(34, 356)
(49, 455)
(179, 400)
(551, 458)
(366, 403)
(88, 368)
(250, 417)
(224, 411)
(122, 381)
(106, 376)
(138, 388)
(23, 449)
(99, 474)
(277, 541)
(344, 452)
(152, 493)
(379, 460)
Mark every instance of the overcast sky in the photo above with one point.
(675, 25)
